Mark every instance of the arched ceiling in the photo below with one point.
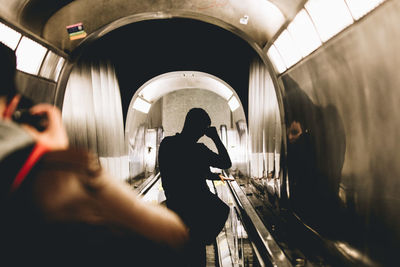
(166, 83)
(146, 49)
(48, 18)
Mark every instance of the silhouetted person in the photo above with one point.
(185, 166)
(59, 208)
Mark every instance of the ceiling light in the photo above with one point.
(330, 17)
(359, 8)
(287, 49)
(8, 36)
(30, 55)
(276, 59)
(233, 103)
(141, 105)
(304, 34)
(52, 66)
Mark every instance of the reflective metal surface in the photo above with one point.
(92, 114)
(274, 253)
(341, 108)
(49, 18)
(265, 129)
(37, 89)
(340, 104)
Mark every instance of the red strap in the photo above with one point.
(35, 155)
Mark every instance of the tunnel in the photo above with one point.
(302, 92)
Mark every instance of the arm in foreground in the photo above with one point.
(86, 194)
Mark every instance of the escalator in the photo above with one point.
(244, 241)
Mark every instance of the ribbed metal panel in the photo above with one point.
(264, 123)
(344, 169)
(92, 114)
(37, 89)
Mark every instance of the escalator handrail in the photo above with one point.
(266, 248)
(262, 241)
(148, 184)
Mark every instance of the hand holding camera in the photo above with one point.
(37, 121)
(45, 125)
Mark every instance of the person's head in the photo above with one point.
(196, 123)
(294, 131)
(7, 80)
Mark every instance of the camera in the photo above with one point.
(23, 115)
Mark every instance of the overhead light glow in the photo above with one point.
(216, 86)
(359, 8)
(29, 56)
(330, 17)
(304, 34)
(287, 49)
(141, 105)
(8, 36)
(233, 103)
(276, 59)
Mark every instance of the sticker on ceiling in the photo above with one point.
(244, 20)
(76, 31)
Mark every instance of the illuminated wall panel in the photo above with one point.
(276, 59)
(287, 49)
(9, 36)
(52, 66)
(304, 33)
(30, 55)
(359, 8)
(330, 17)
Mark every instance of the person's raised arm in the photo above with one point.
(223, 161)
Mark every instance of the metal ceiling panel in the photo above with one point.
(258, 20)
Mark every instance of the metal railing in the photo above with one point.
(266, 249)
(243, 223)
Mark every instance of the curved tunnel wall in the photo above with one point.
(92, 114)
(265, 20)
(345, 97)
(171, 95)
(343, 171)
(38, 64)
(168, 113)
(265, 129)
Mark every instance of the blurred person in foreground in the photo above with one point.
(59, 208)
(184, 167)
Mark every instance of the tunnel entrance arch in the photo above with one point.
(165, 83)
(154, 106)
(263, 99)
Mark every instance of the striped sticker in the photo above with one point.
(76, 31)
